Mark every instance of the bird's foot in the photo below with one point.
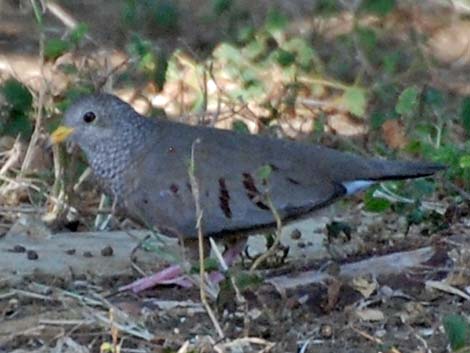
(174, 274)
(170, 275)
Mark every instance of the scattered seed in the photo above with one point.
(296, 234)
(32, 255)
(107, 251)
(18, 249)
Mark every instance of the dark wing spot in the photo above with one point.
(224, 198)
(252, 191)
(174, 188)
(293, 181)
(249, 184)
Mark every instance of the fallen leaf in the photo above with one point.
(365, 286)
(393, 132)
(370, 314)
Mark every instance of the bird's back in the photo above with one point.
(238, 175)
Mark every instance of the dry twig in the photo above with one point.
(199, 214)
(277, 240)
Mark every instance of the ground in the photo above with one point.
(378, 282)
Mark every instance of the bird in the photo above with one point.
(143, 164)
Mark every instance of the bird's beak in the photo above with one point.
(60, 134)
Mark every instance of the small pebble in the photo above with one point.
(296, 234)
(87, 254)
(19, 248)
(107, 251)
(326, 331)
(70, 251)
(32, 255)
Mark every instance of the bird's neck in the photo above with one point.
(110, 158)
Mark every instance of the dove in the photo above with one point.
(143, 164)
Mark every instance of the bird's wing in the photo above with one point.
(237, 175)
(240, 175)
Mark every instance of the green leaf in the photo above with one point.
(18, 124)
(17, 95)
(78, 33)
(210, 264)
(465, 114)
(228, 52)
(284, 58)
(254, 49)
(379, 7)
(129, 12)
(240, 126)
(423, 187)
(326, 7)
(305, 54)
(367, 38)
(355, 100)
(434, 97)
(265, 172)
(390, 62)
(377, 119)
(416, 216)
(55, 47)
(375, 204)
(149, 60)
(221, 6)
(246, 33)
(457, 330)
(276, 21)
(245, 280)
(407, 101)
(166, 14)
(464, 161)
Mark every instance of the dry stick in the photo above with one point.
(65, 17)
(277, 240)
(26, 183)
(464, 194)
(195, 192)
(39, 116)
(14, 157)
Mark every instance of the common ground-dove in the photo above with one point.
(143, 164)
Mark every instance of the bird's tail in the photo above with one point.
(396, 170)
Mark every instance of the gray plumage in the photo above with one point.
(143, 163)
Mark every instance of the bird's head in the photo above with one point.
(94, 119)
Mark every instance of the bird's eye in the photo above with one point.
(89, 117)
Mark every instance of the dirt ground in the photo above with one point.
(397, 308)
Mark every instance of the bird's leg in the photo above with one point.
(234, 249)
(175, 275)
(231, 254)
(170, 275)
